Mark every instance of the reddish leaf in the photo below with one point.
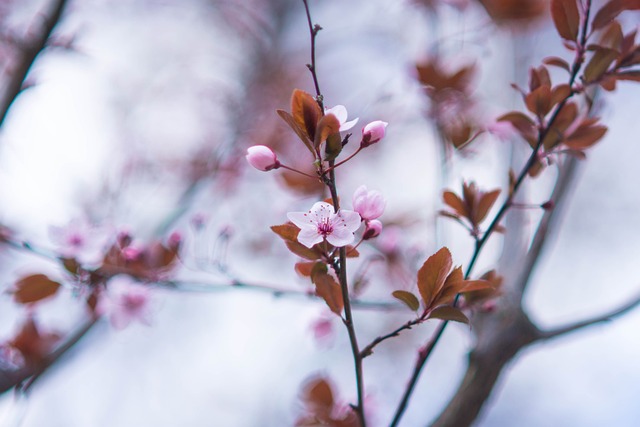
(539, 77)
(304, 268)
(302, 251)
(447, 312)
(352, 252)
(485, 204)
(456, 203)
(566, 18)
(610, 10)
(560, 93)
(318, 392)
(476, 285)
(599, 64)
(287, 231)
(585, 137)
(539, 101)
(328, 289)
(628, 75)
(432, 275)
(452, 286)
(32, 344)
(33, 288)
(557, 62)
(305, 112)
(409, 299)
(302, 134)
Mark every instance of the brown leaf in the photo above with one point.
(557, 62)
(485, 204)
(566, 18)
(306, 112)
(328, 289)
(351, 252)
(539, 101)
(302, 251)
(304, 268)
(32, 344)
(539, 77)
(628, 75)
(287, 231)
(446, 312)
(585, 137)
(34, 288)
(610, 10)
(409, 299)
(456, 203)
(302, 134)
(599, 64)
(432, 275)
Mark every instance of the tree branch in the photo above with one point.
(605, 317)
(28, 51)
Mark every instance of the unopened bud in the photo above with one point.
(373, 132)
(262, 158)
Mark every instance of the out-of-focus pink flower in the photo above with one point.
(81, 240)
(369, 204)
(125, 302)
(323, 330)
(322, 222)
(373, 132)
(340, 111)
(262, 158)
(374, 228)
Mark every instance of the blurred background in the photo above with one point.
(137, 117)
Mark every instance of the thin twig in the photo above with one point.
(573, 327)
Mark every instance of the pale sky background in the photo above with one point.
(152, 80)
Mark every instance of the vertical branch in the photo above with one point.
(27, 52)
(341, 269)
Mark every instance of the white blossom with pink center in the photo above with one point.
(322, 222)
(340, 111)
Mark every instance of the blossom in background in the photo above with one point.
(340, 111)
(373, 132)
(81, 240)
(322, 222)
(262, 158)
(124, 302)
(369, 204)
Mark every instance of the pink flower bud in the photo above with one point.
(262, 158)
(374, 228)
(373, 132)
(369, 204)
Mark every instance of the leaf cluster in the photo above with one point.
(470, 209)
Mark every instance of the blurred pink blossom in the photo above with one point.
(81, 240)
(322, 222)
(125, 301)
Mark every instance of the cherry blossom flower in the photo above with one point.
(262, 158)
(369, 204)
(373, 132)
(322, 222)
(125, 302)
(81, 240)
(340, 111)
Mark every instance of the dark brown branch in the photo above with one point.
(27, 52)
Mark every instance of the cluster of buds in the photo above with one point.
(317, 130)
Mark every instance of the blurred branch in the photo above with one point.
(611, 315)
(566, 175)
(26, 377)
(275, 291)
(27, 52)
